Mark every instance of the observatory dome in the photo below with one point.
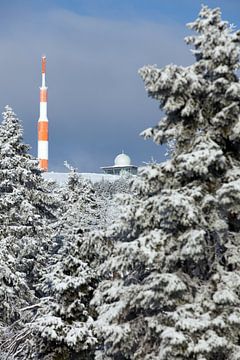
(122, 160)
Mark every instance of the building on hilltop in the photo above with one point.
(122, 165)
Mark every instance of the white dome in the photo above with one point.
(122, 160)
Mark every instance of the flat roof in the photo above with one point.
(118, 167)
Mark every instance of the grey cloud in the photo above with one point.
(97, 102)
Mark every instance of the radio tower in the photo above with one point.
(43, 122)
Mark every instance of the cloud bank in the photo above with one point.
(97, 102)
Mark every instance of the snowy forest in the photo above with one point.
(147, 267)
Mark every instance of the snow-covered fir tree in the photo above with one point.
(109, 195)
(64, 326)
(26, 209)
(62, 322)
(171, 288)
(28, 206)
(81, 208)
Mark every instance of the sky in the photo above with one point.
(97, 104)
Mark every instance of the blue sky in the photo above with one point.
(97, 102)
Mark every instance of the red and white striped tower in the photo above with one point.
(43, 122)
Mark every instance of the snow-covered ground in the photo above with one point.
(61, 178)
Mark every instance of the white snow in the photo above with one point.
(61, 178)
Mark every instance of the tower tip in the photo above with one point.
(44, 59)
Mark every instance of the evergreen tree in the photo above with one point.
(62, 322)
(64, 326)
(110, 195)
(26, 209)
(81, 208)
(172, 284)
(14, 291)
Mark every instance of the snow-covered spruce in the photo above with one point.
(81, 202)
(109, 197)
(81, 209)
(64, 325)
(172, 284)
(26, 209)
